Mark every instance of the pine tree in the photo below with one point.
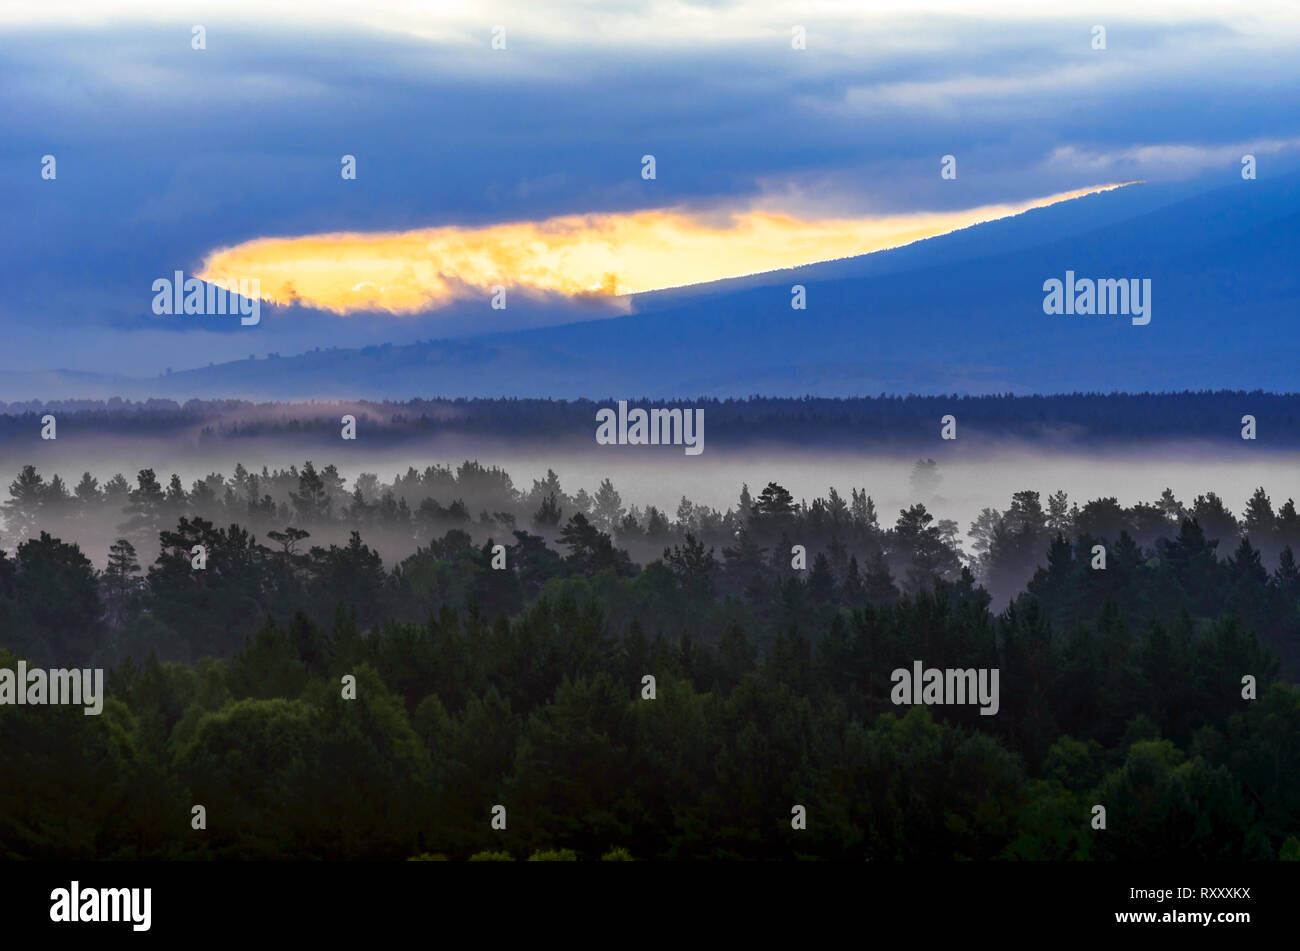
(87, 491)
(878, 585)
(925, 478)
(26, 497)
(821, 582)
(311, 502)
(774, 501)
(548, 516)
(607, 509)
(853, 582)
(144, 506)
(693, 567)
(1287, 575)
(57, 499)
(176, 497)
(120, 581)
(1258, 520)
(1058, 514)
(116, 491)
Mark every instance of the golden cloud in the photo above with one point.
(577, 255)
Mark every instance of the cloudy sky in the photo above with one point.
(524, 165)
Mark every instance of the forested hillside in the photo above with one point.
(514, 675)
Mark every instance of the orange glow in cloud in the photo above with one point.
(606, 254)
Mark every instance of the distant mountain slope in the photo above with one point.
(959, 313)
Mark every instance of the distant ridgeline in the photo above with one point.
(902, 421)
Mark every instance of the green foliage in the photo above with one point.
(554, 855)
(522, 686)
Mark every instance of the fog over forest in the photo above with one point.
(660, 476)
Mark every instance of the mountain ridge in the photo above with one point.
(960, 312)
